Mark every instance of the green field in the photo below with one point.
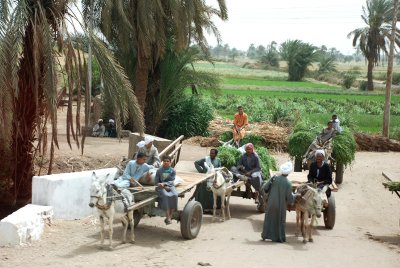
(268, 96)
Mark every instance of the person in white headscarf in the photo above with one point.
(150, 151)
(336, 124)
(111, 130)
(99, 129)
(280, 196)
(320, 172)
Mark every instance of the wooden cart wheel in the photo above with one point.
(339, 173)
(191, 219)
(330, 213)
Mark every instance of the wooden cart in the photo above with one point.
(145, 197)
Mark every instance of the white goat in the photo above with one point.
(219, 184)
(109, 205)
(308, 207)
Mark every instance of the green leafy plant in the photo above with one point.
(348, 79)
(226, 136)
(299, 142)
(256, 140)
(229, 156)
(363, 85)
(344, 148)
(267, 161)
(190, 117)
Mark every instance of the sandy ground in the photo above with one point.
(366, 234)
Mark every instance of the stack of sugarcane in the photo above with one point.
(376, 143)
(392, 185)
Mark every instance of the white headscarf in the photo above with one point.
(140, 144)
(100, 120)
(286, 168)
(321, 152)
(111, 121)
(148, 139)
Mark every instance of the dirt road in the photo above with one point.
(366, 234)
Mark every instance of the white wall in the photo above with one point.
(67, 193)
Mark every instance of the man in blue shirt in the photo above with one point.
(134, 171)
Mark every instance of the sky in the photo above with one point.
(318, 22)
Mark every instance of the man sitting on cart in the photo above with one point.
(322, 141)
(320, 172)
(249, 169)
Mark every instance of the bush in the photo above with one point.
(189, 118)
(256, 140)
(395, 133)
(226, 136)
(363, 85)
(229, 156)
(348, 79)
(344, 148)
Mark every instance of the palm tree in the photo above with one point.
(32, 36)
(139, 31)
(299, 56)
(374, 38)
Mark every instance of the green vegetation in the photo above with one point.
(344, 148)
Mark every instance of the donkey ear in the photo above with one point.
(94, 177)
(325, 188)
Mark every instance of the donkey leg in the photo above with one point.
(214, 206)
(304, 227)
(223, 206)
(101, 230)
(132, 224)
(110, 229)
(228, 211)
(124, 221)
(297, 233)
(310, 239)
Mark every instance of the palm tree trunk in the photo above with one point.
(142, 79)
(370, 84)
(386, 114)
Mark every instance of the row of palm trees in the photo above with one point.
(140, 34)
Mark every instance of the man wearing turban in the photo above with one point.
(280, 196)
(150, 151)
(249, 169)
(320, 172)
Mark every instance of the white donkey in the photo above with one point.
(109, 205)
(219, 184)
(308, 208)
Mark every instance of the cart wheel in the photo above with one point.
(191, 218)
(339, 173)
(137, 216)
(330, 213)
(298, 164)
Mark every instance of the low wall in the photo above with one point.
(24, 225)
(67, 193)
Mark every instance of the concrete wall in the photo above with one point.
(24, 225)
(67, 193)
(134, 138)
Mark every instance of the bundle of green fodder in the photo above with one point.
(344, 148)
(392, 185)
(230, 157)
(343, 144)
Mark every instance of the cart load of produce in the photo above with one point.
(392, 185)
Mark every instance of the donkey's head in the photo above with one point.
(318, 201)
(97, 189)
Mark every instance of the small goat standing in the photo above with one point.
(308, 208)
(219, 184)
(109, 205)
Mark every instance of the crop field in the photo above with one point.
(267, 96)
